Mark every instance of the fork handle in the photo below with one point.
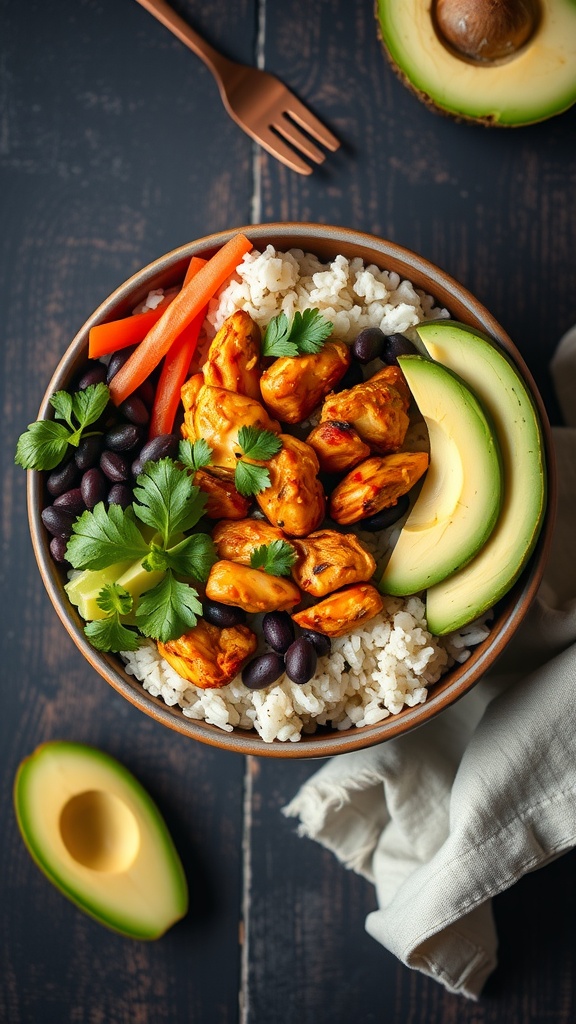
(216, 62)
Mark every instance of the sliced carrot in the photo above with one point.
(116, 334)
(182, 310)
(175, 367)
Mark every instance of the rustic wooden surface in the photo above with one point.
(114, 149)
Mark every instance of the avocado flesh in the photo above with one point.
(468, 593)
(537, 83)
(99, 838)
(459, 503)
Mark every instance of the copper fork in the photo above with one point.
(263, 107)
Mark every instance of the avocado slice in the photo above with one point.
(460, 499)
(534, 83)
(97, 835)
(464, 596)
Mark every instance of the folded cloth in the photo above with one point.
(445, 817)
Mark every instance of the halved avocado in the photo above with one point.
(468, 593)
(535, 82)
(460, 499)
(100, 839)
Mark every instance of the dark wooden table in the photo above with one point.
(114, 148)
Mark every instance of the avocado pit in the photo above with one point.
(485, 31)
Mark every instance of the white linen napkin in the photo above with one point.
(443, 818)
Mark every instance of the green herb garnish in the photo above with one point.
(167, 501)
(195, 455)
(45, 443)
(109, 634)
(275, 558)
(254, 444)
(305, 335)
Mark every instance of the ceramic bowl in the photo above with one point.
(326, 242)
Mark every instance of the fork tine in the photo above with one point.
(304, 117)
(293, 135)
(275, 145)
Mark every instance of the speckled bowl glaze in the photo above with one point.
(326, 242)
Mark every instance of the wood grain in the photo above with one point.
(114, 148)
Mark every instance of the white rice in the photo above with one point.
(389, 663)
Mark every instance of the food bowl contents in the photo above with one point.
(313, 479)
(497, 62)
(96, 834)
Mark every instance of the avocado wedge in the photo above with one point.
(510, 87)
(97, 835)
(458, 506)
(464, 596)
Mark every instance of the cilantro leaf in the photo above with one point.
(195, 455)
(43, 445)
(167, 499)
(310, 330)
(104, 536)
(61, 402)
(276, 338)
(305, 335)
(250, 479)
(109, 634)
(89, 404)
(168, 610)
(275, 558)
(258, 444)
(194, 556)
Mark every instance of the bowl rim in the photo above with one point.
(510, 611)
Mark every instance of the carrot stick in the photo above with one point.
(175, 367)
(181, 311)
(116, 334)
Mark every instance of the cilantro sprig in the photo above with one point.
(276, 558)
(254, 443)
(167, 501)
(195, 455)
(45, 443)
(304, 335)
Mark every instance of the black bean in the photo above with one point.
(115, 466)
(58, 547)
(58, 521)
(223, 615)
(72, 501)
(161, 447)
(134, 410)
(94, 487)
(262, 671)
(352, 377)
(62, 478)
(397, 345)
(368, 345)
(117, 360)
(146, 392)
(95, 374)
(320, 642)
(278, 630)
(119, 494)
(386, 517)
(300, 661)
(123, 438)
(88, 452)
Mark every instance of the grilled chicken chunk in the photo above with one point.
(217, 415)
(337, 446)
(377, 409)
(250, 589)
(294, 501)
(342, 611)
(375, 484)
(233, 360)
(224, 501)
(236, 541)
(327, 560)
(294, 385)
(189, 392)
(209, 656)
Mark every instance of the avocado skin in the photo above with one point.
(132, 925)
